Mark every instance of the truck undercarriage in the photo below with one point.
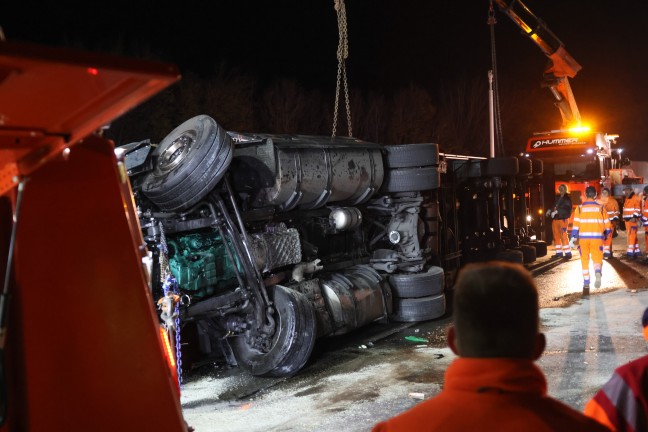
(269, 242)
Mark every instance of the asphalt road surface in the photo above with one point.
(354, 381)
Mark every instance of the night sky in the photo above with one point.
(429, 43)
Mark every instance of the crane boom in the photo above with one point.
(561, 65)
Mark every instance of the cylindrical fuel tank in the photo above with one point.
(355, 297)
(312, 176)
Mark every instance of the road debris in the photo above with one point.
(416, 339)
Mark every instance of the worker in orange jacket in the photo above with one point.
(622, 402)
(591, 226)
(631, 216)
(611, 207)
(560, 214)
(644, 217)
(494, 385)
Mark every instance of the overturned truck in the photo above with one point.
(267, 242)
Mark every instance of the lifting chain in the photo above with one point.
(342, 55)
(170, 285)
(499, 138)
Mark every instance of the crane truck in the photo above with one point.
(573, 155)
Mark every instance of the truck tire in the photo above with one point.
(525, 167)
(510, 255)
(292, 343)
(419, 309)
(474, 168)
(540, 247)
(501, 167)
(528, 254)
(413, 285)
(411, 155)
(411, 179)
(188, 164)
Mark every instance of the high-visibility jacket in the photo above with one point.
(611, 207)
(491, 394)
(632, 207)
(644, 213)
(622, 403)
(590, 221)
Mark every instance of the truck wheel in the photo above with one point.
(412, 155)
(528, 253)
(501, 167)
(189, 163)
(524, 167)
(414, 285)
(540, 247)
(474, 168)
(514, 256)
(411, 179)
(419, 309)
(292, 342)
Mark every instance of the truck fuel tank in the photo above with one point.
(306, 171)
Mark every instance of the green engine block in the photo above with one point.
(200, 263)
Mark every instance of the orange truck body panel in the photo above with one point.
(82, 350)
(560, 146)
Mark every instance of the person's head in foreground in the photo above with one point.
(494, 385)
(495, 313)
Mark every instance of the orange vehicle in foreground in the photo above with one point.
(80, 345)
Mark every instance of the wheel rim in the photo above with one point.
(292, 343)
(176, 152)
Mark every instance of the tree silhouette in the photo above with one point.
(462, 121)
(411, 116)
(458, 121)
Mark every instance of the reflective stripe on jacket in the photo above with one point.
(632, 207)
(622, 403)
(590, 221)
(611, 207)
